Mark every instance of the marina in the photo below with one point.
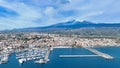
(31, 54)
(38, 55)
(41, 56)
(58, 62)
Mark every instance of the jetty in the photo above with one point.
(47, 56)
(77, 56)
(104, 55)
(45, 59)
(96, 54)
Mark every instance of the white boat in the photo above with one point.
(21, 61)
(41, 61)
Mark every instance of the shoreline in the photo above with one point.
(83, 47)
(59, 47)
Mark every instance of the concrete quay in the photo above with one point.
(104, 55)
(77, 56)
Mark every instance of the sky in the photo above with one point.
(35, 13)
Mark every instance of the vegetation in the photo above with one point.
(107, 32)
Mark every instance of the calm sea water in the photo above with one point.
(56, 62)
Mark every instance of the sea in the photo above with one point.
(85, 62)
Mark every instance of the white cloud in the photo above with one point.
(27, 15)
(50, 11)
(33, 13)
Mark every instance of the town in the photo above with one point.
(37, 46)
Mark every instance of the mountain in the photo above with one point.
(76, 24)
(84, 29)
(69, 25)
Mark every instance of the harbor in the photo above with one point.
(31, 54)
(96, 52)
(58, 62)
(38, 46)
(41, 55)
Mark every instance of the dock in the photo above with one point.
(96, 54)
(46, 57)
(77, 56)
(104, 55)
(30, 54)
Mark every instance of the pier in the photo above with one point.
(96, 52)
(30, 54)
(77, 56)
(104, 55)
(46, 57)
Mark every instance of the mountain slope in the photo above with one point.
(76, 24)
(68, 26)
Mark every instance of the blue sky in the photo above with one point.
(34, 13)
